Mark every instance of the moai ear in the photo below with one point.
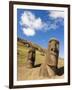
(48, 46)
(57, 46)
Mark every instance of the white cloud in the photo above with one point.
(56, 14)
(53, 26)
(28, 19)
(57, 19)
(28, 32)
(31, 23)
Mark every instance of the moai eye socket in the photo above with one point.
(51, 49)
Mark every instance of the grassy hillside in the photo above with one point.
(22, 54)
(22, 51)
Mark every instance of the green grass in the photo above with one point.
(39, 58)
(22, 55)
(22, 51)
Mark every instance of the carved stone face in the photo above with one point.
(31, 57)
(53, 52)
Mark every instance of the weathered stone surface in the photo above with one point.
(33, 74)
(47, 71)
(39, 71)
(49, 67)
(52, 53)
(30, 58)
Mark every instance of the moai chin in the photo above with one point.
(52, 53)
(30, 58)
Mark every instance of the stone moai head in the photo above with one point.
(52, 53)
(31, 58)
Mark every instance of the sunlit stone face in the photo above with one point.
(53, 52)
(31, 57)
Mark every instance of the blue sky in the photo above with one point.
(39, 26)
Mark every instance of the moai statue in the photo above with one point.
(30, 58)
(52, 53)
(49, 67)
